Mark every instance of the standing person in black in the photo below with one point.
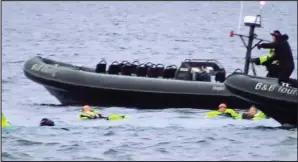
(271, 66)
(282, 53)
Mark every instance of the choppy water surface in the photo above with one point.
(164, 32)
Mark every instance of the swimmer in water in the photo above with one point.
(48, 122)
(88, 113)
(254, 114)
(223, 110)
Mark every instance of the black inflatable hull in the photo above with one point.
(278, 102)
(76, 87)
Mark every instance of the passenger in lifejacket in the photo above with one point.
(89, 113)
(223, 110)
(254, 114)
(282, 53)
(271, 66)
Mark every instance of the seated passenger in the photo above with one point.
(254, 114)
(223, 110)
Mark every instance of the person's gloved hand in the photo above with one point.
(259, 46)
(256, 61)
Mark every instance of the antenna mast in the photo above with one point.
(252, 22)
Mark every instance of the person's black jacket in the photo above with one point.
(283, 52)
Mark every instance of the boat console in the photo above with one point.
(201, 70)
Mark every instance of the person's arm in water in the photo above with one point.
(84, 115)
(232, 113)
(102, 117)
(98, 115)
(212, 114)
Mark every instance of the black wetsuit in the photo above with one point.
(283, 54)
(49, 123)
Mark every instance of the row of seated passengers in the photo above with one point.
(149, 69)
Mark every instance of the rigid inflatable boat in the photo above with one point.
(196, 83)
(275, 100)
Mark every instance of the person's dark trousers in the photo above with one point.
(272, 71)
(284, 74)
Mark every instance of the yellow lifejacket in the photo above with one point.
(264, 59)
(117, 117)
(90, 115)
(232, 112)
(4, 121)
(212, 114)
(229, 111)
(259, 116)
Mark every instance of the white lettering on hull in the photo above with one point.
(281, 89)
(44, 69)
(218, 88)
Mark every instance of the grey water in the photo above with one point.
(163, 32)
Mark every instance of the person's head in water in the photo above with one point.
(252, 111)
(222, 107)
(46, 122)
(86, 108)
(275, 35)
